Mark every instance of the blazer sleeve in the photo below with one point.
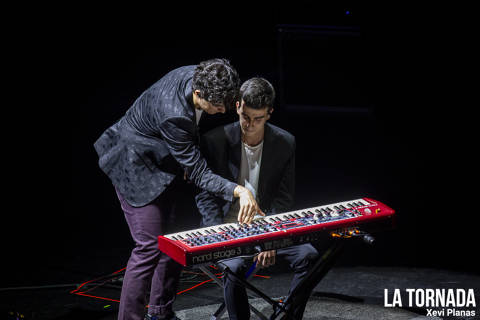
(209, 206)
(180, 136)
(284, 198)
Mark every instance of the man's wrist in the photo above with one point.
(238, 191)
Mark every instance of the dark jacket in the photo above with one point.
(276, 186)
(157, 140)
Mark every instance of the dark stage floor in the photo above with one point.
(52, 282)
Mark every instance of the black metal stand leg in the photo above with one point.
(222, 308)
(275, 304)
(220, 311)
(313, 277)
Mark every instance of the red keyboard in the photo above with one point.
(223, 241)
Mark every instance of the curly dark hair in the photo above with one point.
(257, 93)
(217, 81)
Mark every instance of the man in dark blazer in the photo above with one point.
(261, 157)
(148, 154)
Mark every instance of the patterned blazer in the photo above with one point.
(157, 140)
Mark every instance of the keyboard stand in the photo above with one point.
(246, 284)
(243, 281)
(311, 280)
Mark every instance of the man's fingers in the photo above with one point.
(259, 211)
(248, 207)
(241, 214)
(253, 212)
(264, 260)
(249, 218)
(246, 213)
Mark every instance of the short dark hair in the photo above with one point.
(217, 81)
(257, 93)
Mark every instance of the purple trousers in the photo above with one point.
(149, 271)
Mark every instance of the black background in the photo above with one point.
(394, 101)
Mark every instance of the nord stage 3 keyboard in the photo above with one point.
(206, 245)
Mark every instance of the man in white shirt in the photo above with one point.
(260, 157)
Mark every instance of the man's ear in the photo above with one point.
(197, 93)
(269, 113)
(237, 105)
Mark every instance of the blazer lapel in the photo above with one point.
(234, 139)
(267, 158)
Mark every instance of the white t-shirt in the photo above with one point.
(248, 176)
(198, 115)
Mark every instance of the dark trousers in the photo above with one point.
(300, 259)
(148, 269)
